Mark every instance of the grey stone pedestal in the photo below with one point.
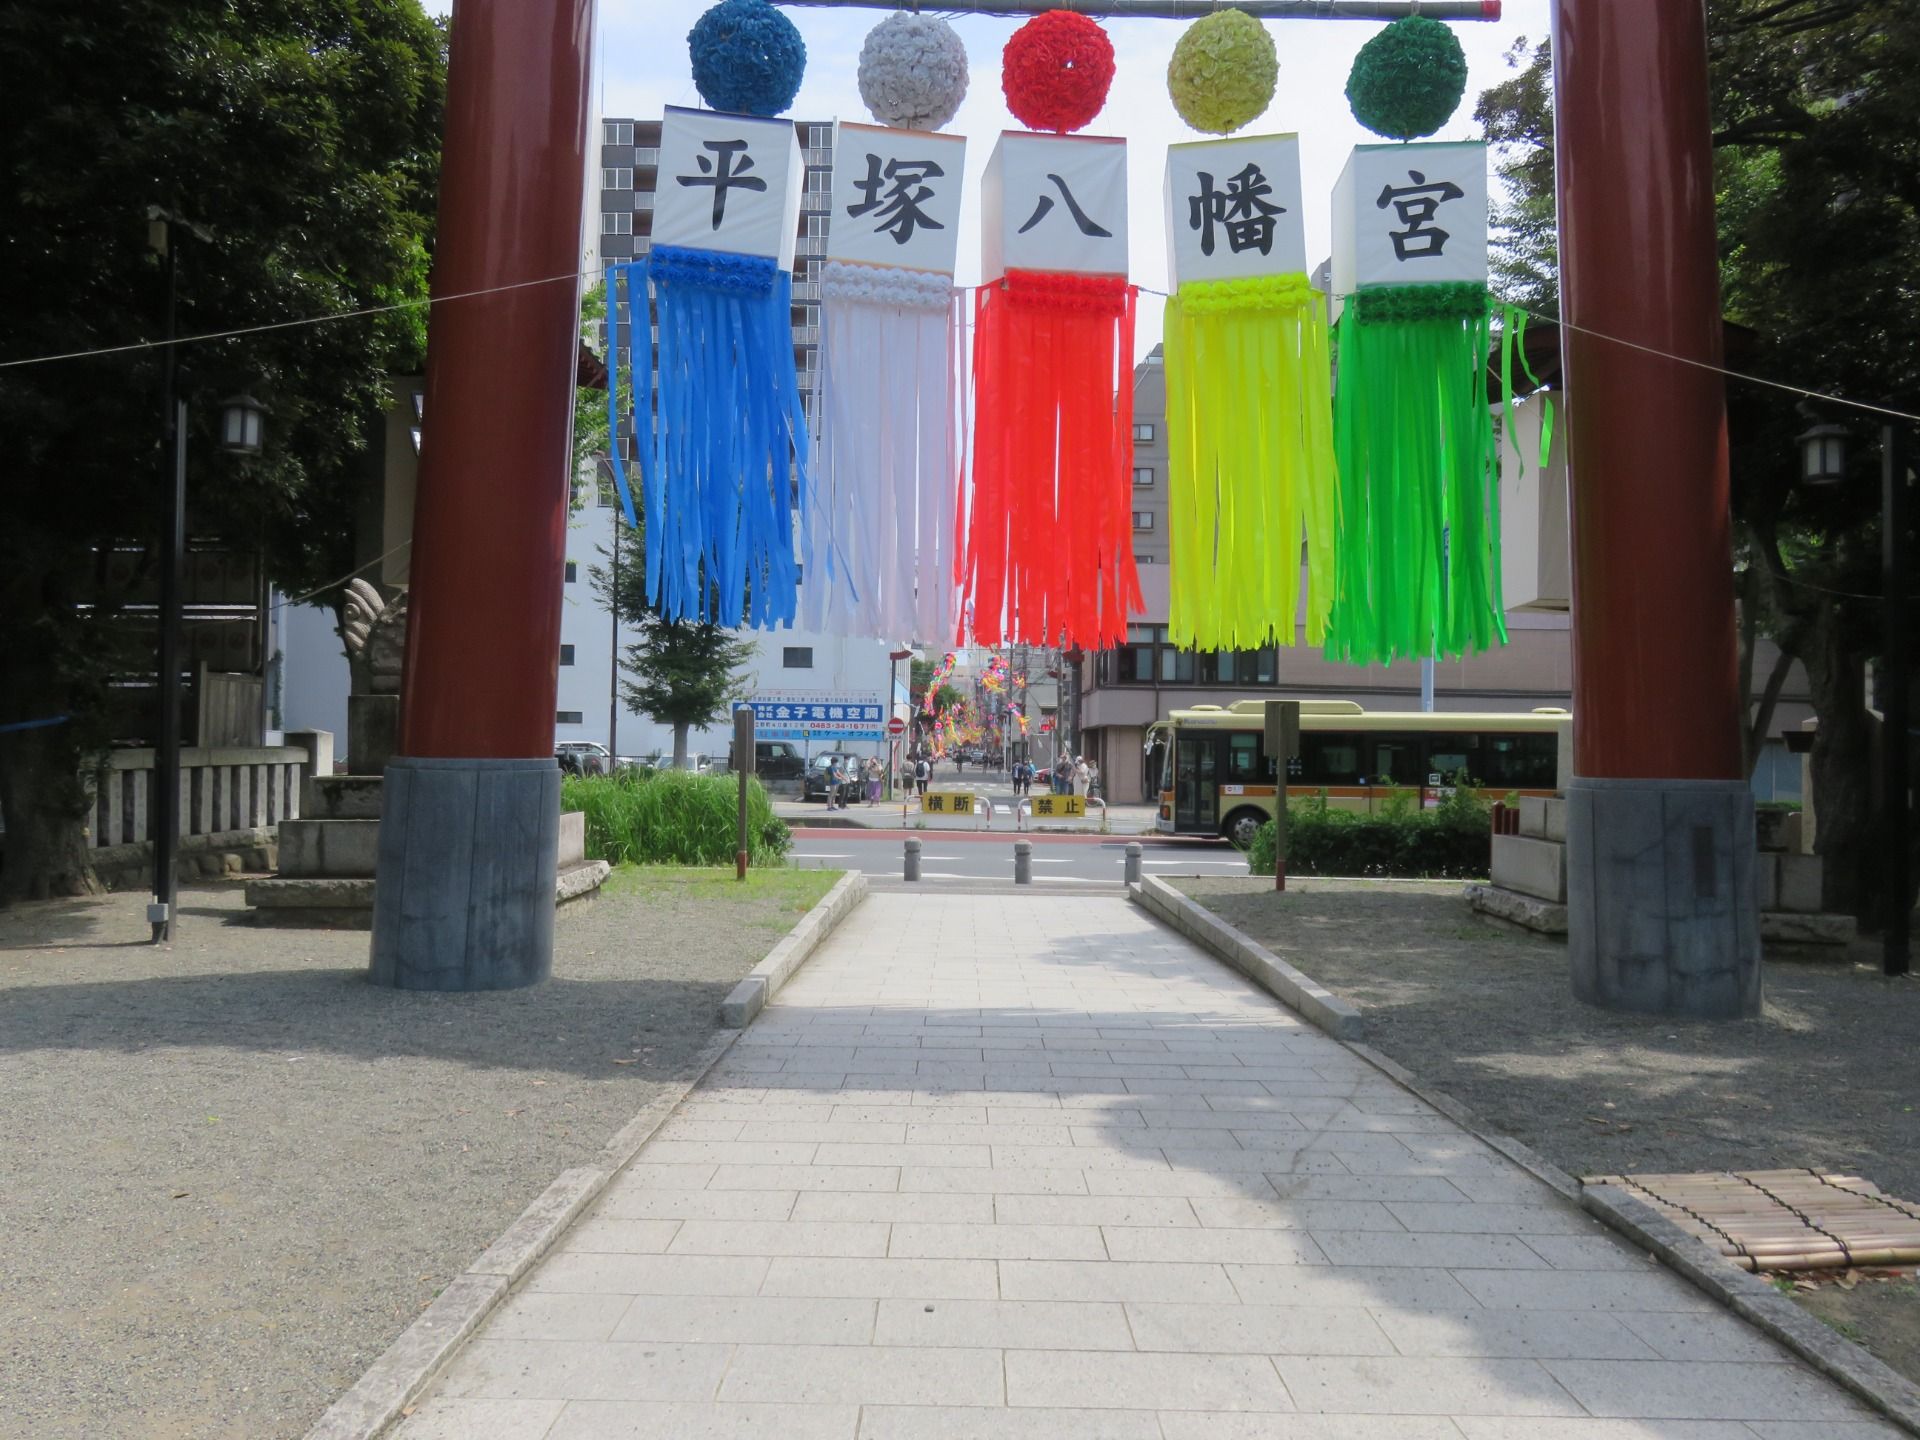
(466, 874)
(1662, 914)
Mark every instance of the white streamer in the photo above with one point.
(879, 551)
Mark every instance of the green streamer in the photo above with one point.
(1513, 337)
(1418, 534)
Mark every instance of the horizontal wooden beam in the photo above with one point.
(1191, 9)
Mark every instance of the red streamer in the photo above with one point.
(1056, 70)
(1049, 548)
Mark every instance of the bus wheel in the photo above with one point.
(1241, 826)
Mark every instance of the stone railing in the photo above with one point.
(221, 790)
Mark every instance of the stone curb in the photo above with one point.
(410, 1364)
(763, 982)
(1740, 1291)
(1757, 1302)
(1315, 1003)
(1849, 1365)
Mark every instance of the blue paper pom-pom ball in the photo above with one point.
(747, 58)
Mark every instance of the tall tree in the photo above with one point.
(682, 673)
(1817, 148)
(303, 136)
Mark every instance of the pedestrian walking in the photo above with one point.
(873, 780)
(922, 773)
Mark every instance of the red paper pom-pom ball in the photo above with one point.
(1056, 71)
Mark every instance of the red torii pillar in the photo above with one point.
(1662, 914)
(471, 809)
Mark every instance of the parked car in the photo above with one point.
(694, 764)
(774, 760)
(583, 757)
(818, 773)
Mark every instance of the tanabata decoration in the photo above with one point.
(878, 550)
(1049, 557)
(1407, 80)
(1249, 434)
(747, 58)
(722, 446)
(1223, 72)
(1418, 534)
(941, 673)
(913, 71)
(1056, 70)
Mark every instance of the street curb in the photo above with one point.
(1315, 1003)
(1757, 1302)
(1747, 1295)
(411, 1363)
(1849, 1365)
(763, 982)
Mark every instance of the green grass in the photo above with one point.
(645, 817)
(791, 891)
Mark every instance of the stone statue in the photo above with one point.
(375, 630)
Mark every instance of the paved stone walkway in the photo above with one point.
(999, 1167)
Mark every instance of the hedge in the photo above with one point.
(1452, 841)
(672, 817)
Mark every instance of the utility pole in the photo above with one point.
(1896, 724)
(161, 227)
(613, 665)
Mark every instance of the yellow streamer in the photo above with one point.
(1253, 477)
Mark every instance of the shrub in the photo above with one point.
(671, 817)
(1451, 841)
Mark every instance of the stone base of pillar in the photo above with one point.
(467, 857)
(1662, 911)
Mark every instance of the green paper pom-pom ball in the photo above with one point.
(1223, 71)
(1407, 81)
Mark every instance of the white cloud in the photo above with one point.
(643, 66)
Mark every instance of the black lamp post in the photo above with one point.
(242, 420)
(1823, 462)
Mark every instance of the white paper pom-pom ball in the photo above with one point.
(913, 71)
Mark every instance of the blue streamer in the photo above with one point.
(613, 381)
(728, 424)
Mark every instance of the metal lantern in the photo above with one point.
(241, 420)
(1823, 455)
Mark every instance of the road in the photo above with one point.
(971, 855)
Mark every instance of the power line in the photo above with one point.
(290, 324)
(1866, 406)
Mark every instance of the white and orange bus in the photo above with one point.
(1216, 777)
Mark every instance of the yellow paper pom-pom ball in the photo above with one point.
(1223, 72)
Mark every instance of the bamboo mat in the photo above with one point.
(1784, 1219)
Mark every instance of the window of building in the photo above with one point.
(1140, 559)
(566, 654)
(568, 717)
(616, 222)
(617, 132)
(1143, 519)
(1176, 666)
(573, 571)
(816, 227)
(1143, 475)
(819, 136)
(1144, 432)
(797, 657)
(616, 179)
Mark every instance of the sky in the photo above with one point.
(642, 66)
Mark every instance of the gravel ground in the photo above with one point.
(234, 1172)
(1825, 1078)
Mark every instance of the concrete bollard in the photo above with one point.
(911, 865)
(1023, 862)
(1134, 851)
